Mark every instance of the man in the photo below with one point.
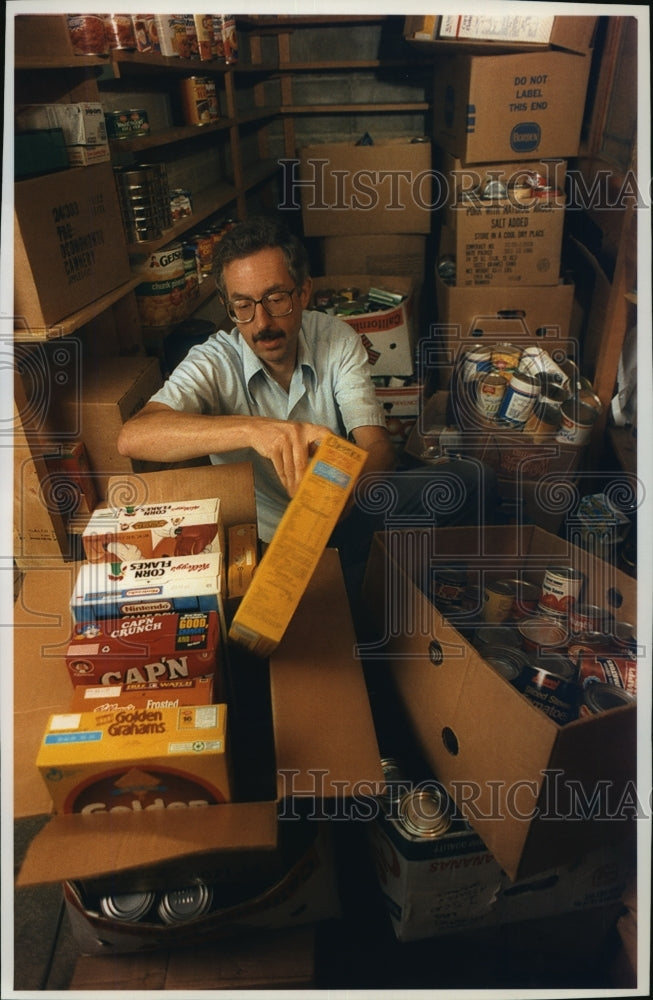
(272, 387)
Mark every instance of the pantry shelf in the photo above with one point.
(70, 324)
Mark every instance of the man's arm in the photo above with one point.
(376, 441)
(158, 433)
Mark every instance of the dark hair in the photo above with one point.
(260, 233)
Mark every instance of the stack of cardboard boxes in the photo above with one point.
(381, 191)
(508, 106)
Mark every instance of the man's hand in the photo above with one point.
(289, 446)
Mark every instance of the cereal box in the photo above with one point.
(148, 694)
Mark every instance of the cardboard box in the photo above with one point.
(513, 240)
(528, 786)
(389, 335)
(301, 536)
(381, 254)
(539, 314)
(86, 156)
(69, 472)
(242, 554)
(95, 410)
(158, 586)
(383, 188)
(304, 893)
(83, 122)
(510, 107)
(321, 719)
(504, 32)
(69, 247)
(145, 695)
(134, 759)
(144, 648)
(153, 531)
(453, 883)
(401, 405)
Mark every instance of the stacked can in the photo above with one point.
(199, 100)
(144, 201)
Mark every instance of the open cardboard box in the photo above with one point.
(324, 738)
(528, 786)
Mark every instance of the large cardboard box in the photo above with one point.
(389, 335)
(401, 405)
(296, 546)
(382, 254)
(510, 107)
(95, 410)
(453, 883)
(383, 188)
(537, 793)
(501, 32)
(512, 240)
(321, 720)
(69, 246)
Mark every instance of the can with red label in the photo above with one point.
(505, 359)
(199, 100)
(498, 599)
(87, 34)
(490, 390)
(519, 399)
(539, 634)
(550, 683)
(561, 588)
(620, 671)
(590, 618)
(119, 29)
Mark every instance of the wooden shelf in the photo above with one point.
(78, 319)
(168, 136)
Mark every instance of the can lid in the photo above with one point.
(185, 903)
(600, 697)
(127, 905)
(425, 813)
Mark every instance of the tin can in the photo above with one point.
(448, 585)
(590, 618)
(160, 296)
(119, 31)
(507, 661)
(424, 814)
(590, 643)
(229, 38)
(543, 422)
(349, 294)
(577, 420)
(146, 32)
(181, 204)
(87, 34)
(494, 190)
(597, 698)
(498, 599)
(617, 671)
(127, 906)
(396, 782)
(519, 399)
(475, 362)
(489, 636)
(205, 246)
(550, 683)
(527, 595)
(561, 588)
(199, 100)
(505, 359)
(536, 361)
(551, 390)
(179, 905)
(539, 634)
(490, 390)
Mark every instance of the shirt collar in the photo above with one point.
(252, 365)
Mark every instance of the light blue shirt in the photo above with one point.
(331, 385)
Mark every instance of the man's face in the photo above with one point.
(273, 339)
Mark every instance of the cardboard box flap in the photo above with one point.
(324, 734)
(80, 846)
(233, 484)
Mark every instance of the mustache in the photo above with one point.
(268, 335)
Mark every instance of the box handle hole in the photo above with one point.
(615, 598)
(450, 741)
(436, 655)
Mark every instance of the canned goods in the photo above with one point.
(349, 294)
(179, 905)
(490, 390)
(199, 100)
(424, 814)
(507, 661)
(590, 642)
(505, 359)
(527, 595)
(498, 599)
(127, 123)
(127, 906)
(577, 420)
(543, 422)
(160, 295)
(539, 634)
(181, 204)
(396, 783)
(205, 246)
(475, 362)
(448, 586)
(561, 588)
(549, 682)
(489, 636)
(599, 697)
(494, 190)
(551, 390)
(119, 31)
(87, 34)
(618, 671)
(519, 398)
(590, 618)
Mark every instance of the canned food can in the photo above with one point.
(205, 247)
(448, 586)
(199, 100)
(519, 398)
(550, 683)
(229, 38)
(527, 595)
(179, 905)
(590, 642)
(590, 618)
(577, 420)
(507, 661)
(489, 636)
(87, 34)
(127, 906)
(551, 391)
(424, 814)
(539, 634)
(475, 362)
(543, 422)
(537, 361)
(119, 30)
(617, 671)
(494, 190)
(498, 599)
(561, 589)
(349, 294)
(597, 698)
(505, 359)
(146, 32)
(396, 783)
(489, 394)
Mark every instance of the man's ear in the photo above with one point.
(305, 292)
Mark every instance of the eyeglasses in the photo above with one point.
(275, 304)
